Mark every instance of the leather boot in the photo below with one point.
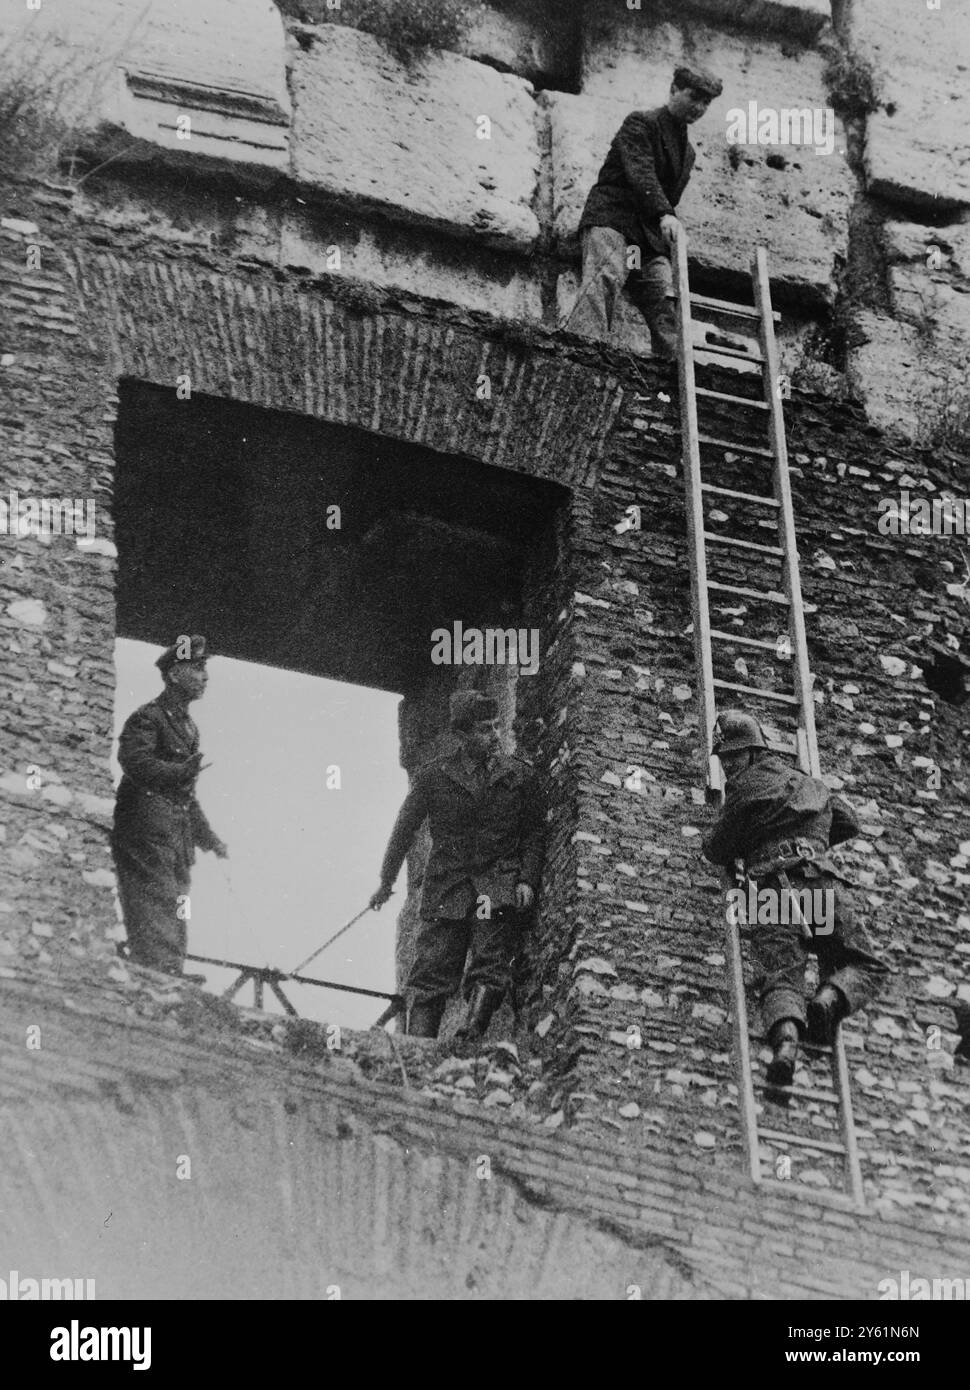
(482, 1003)
(784, 1040)
(825, 1010)
(422, 1019)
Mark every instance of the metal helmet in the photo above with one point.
(734, 730)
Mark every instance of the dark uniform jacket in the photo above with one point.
(772, 801)
(642, 179)
(156, 798)
(486, 833)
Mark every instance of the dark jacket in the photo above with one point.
(156, 796)
(772, 801)
(642, 179)
(486, 833)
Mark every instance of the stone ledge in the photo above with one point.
(129, 1067)
(176, 41)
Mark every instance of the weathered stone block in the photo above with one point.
(797, 19)
(410, 144)
(918, 143)
(911, 369)
(797, 205)
(142, 67)
(529, 37)
(929, 281)
(402, 258)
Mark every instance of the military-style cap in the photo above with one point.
(699, 80)
(187, 649)
(468, 707)
(735, 730)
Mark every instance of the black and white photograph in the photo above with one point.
(485, 605)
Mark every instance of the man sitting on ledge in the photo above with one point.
(628, 225)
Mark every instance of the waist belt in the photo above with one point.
(176, 805)
(784, 853)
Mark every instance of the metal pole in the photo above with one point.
(329, 942)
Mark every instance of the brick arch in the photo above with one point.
(346, 354)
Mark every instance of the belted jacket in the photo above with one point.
(772, 802)
(156, 796)
(642, 179)
(487, 833)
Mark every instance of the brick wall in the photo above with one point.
(629, 935)
(646, 934)
(363, 1185)
(56, 598)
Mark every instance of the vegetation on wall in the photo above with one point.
(411, 29)
(943, 414)
(33, 130)
(852, 83)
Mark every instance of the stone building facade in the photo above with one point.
(353, 263)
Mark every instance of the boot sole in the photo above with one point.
(820, 1025)
(780, 1073)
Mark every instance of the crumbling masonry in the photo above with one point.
(211, 262)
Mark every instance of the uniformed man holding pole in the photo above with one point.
(158, 823)
(782, 823)
(482, 876)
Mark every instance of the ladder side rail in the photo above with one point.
(806, 736)
(801, 674)
(843, 1089)
(742, 1051)
(691, 458)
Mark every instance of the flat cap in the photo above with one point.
(468, 707)
(188, 649)
(699, 79)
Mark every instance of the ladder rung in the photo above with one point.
(740, 496)
(731, 400)
(805, 1046)
(775, 551)
(743, 311)
(735, 447)
(708, 350)
(769, 596)
(824, 1144)
(806, 1093)
(747, 642)
(761, 694)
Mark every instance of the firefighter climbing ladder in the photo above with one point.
(708, 345)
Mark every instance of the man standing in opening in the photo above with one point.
(483, 873)
(629, 218)
(158, 824)
(782, 824)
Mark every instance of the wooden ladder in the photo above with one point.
(750, 439)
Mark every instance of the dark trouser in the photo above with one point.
(845, 955)
(442, 946)
(153, 875)
(605, 273)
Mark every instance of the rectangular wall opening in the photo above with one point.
(318, 561)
